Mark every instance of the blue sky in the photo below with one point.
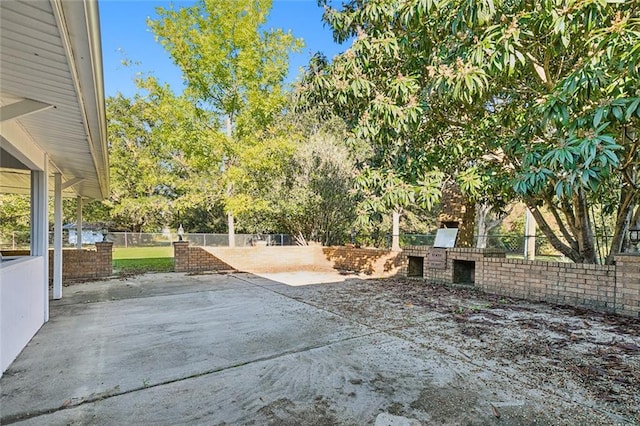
(125, 34)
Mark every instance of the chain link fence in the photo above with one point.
(147, 239)
(21, 240)
(513, 245)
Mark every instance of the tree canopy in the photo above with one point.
(537, 100)
(230, 139)
(231, 67)
(161, 150)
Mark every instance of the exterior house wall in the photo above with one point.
(22, 300)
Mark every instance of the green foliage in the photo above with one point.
(296, 180)
(226, 144)
(228, 62)
(382, 192)
(318, 204)
(93, 211)
(14, 217)
(161, 151)
(233, 69)
(513, 98)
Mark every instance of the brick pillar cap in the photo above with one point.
(628, 257)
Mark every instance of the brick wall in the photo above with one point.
(195, 259)
(268, 259)
(446, 275)
(591, 286)
(455, 207)
(368, 261)
(628, 284)
(79, 264)
(609, 288)
(284, 259)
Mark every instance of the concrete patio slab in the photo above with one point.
(242, 349)
(301, 278)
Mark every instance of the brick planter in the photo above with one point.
(607, 288)
(79, 264)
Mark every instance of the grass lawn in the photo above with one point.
(142, 252)
(137, 260)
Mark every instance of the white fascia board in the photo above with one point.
(95, 46)
(84, 54)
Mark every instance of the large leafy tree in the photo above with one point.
(298, 180)
(320, 203)
(538, 99)
(161, 151)
(231, 67)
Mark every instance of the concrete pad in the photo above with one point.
(307, 277)
(143, 286)
(95, 349)
(386, 419)
(241, 349)
(346, 382)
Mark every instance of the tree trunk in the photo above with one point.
(482, 212)
(563, 229)
(586, 242)
(485, 225)
(230, 218)
(563, 248)
(623, 222)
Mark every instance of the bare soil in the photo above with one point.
(582, 358)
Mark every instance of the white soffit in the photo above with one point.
(51, 92)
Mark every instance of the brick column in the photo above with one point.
(628, 284)
(181, 256)
(104, 261)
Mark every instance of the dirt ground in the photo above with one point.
(582, 358)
